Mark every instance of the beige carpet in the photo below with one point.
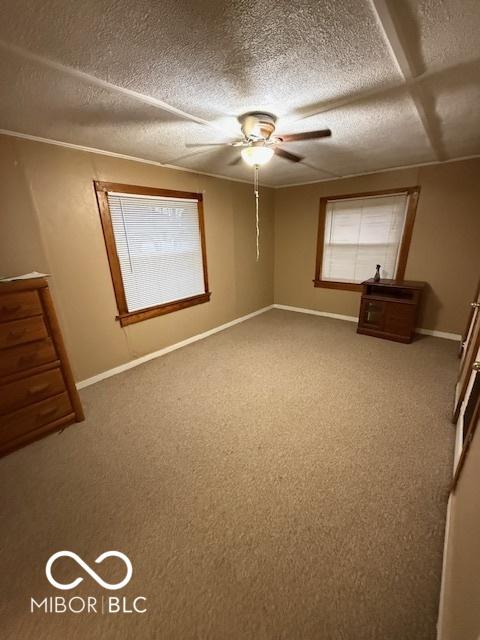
(283, 479)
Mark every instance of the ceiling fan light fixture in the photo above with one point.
(257, 155)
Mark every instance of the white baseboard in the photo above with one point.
(161, 352)
(205, 334)
(337, 316)
(314, 312)
(440, 334)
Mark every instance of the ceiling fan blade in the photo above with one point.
(306, 135)
(287, 155)
(235, 161)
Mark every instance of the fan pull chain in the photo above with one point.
(255, 188)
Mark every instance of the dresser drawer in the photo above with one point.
(19, 305)
(14, 425)
(26, 356)
(21, 331)
(37, 388)
(21, 393)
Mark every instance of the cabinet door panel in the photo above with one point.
(399, 319)
(372, 314)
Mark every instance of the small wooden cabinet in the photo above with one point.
(389, 309)
(37, 390)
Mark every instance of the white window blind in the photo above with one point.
(159, 248)
(361, 233)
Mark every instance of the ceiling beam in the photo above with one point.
(345, 101)
(403, 62)
(104, 84)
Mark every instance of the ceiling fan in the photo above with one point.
(259, 142)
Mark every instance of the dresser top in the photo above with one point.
(12, 286)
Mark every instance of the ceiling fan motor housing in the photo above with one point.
(257, 125)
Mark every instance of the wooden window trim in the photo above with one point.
(126, 317)
(413, 193)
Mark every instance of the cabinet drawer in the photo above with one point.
(26, 356)
(19, 305)
(14, 425)
(23, 392)
(21, 331)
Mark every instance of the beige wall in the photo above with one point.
(444, 250)
(51, 223)
(21, 249)
(460, 613)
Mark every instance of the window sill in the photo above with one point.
(345, 286)
(160, 310)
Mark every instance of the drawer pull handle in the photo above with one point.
(28, 359)
(45, 413)
(16, 333)
(11, 308)
(32, 391)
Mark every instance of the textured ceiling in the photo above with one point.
(397, 81)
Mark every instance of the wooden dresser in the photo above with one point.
(37, 390)
(389, 309)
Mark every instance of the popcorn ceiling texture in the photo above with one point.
(284, 479)
(314, 64)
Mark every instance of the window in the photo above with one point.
(155, 243)
(357, 232)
